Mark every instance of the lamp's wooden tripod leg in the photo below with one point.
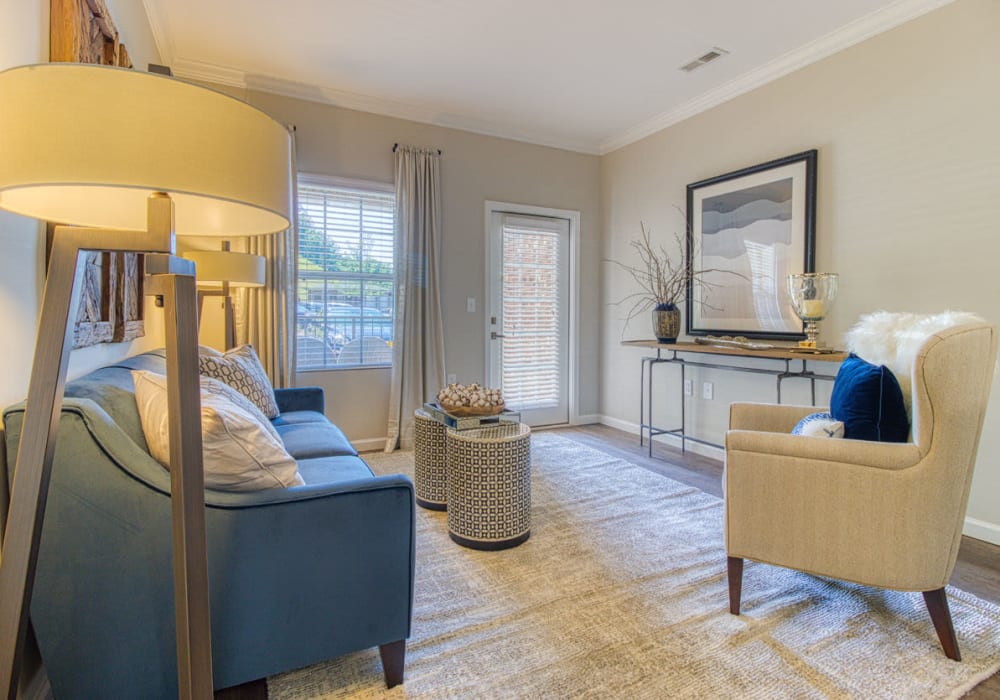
(187, 488)
(34, 459)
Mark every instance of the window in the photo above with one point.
(346, 285)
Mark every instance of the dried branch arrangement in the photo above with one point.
(663, 280)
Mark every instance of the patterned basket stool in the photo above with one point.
(489, 486)
(430, 475)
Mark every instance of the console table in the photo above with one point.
(667, 353)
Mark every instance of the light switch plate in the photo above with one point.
(470, 304)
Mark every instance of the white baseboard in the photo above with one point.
(586, 419)
(369, 444)
(982, 530)
(672, 440)
(619, 424)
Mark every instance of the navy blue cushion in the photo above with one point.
(867, 398)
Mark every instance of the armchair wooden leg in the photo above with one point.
(734, 566)
(937, 606)
(393, 655)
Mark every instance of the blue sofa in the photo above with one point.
(297, 575)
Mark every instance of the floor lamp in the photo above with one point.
(223, 269)
(114, 153)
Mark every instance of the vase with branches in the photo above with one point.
(664, 281)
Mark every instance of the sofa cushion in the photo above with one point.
(868, 400)
(326, 470)
(242, 451)
(314, 439)
(293, 417)
(241, 369)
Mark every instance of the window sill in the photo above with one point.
(339, 368)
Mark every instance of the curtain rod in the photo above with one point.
(396, 145)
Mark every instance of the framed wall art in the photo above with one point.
(759, 222)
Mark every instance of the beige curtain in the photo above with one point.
(418, 335)
(265, 316)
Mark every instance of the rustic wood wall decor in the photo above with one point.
(82, 31)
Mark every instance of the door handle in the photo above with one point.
(494, 335)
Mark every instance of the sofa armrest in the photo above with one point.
(309, 573)
(865, 453)
(768, 417)
(302, 398)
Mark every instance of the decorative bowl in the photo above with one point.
(465, 411)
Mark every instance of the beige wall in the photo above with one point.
(474, 169)
(908, 200)
(24, 40)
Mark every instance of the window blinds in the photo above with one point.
(532, 357)
(346, 276)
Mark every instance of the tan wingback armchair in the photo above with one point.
(881, 514)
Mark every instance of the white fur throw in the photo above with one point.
(893, 339)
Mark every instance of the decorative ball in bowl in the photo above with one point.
(470, 400)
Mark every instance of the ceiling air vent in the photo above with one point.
(707, 57)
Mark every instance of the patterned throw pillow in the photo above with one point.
(241, 369)
(819, 425)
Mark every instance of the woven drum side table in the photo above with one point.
(430, 476)
(489, 486)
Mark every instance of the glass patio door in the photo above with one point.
(528, 330)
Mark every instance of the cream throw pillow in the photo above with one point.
(241, 369)
(242, 450)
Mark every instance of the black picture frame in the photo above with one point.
(759, 221)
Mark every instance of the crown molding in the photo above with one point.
(208, 73)
(157, 25)
(205, 72)
(850, 34)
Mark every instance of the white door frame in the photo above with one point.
(574, 290)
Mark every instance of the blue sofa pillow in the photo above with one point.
(868, 400)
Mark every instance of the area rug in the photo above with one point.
(621, 593)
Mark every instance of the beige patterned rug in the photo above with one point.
(621, 593)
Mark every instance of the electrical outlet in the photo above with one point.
(470, 304)
(707, 391)
(452, 378)
(689, 387)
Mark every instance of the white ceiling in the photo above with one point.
(587, 75)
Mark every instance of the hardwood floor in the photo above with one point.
(977, 569)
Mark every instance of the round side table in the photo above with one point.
(489, 486)
(430, 477)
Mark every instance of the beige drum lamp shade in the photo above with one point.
(238, 269)
(224, 163)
